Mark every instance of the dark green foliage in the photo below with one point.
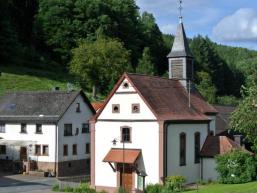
(206, 88)
(100, 63)
(236, 167)
(227, 100)
(154, 188)
(122, 190)
(145, 64)
(244, 117)
(55, 188)
(174, 184)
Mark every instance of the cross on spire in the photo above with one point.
(180, 11)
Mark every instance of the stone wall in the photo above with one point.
(73, 168)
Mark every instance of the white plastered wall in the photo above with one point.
(209, 171)
(191, 170)
(145, 136)
(76, 119)
(12, 133)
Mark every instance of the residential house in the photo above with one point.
(49, 129)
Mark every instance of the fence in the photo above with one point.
(73, 181)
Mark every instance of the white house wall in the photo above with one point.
(191, 170)
(209, 171)
(12, 132)
(145, 136)
(76, 119)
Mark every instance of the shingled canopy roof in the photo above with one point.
(167, 98)
(37, 106)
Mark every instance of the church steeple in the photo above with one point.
(180, 57)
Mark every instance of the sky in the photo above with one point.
(229, 22)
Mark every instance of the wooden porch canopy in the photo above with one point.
(128, 156)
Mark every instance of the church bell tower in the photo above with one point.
(180, 58)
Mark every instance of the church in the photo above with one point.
(152, 127)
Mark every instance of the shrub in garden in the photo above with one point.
(236, 167)
(174, 184)
(55, 188)
(122, 190)
(154, 188)
(83, 188)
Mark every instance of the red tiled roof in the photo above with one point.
(216, 145)
(167, 98)
(170, 100)
(97, 105)
(128, 156)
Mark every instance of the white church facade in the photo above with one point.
(151, 127)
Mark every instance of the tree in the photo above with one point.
(206, 87)
(244, 119)
(99, 63)
(145, 64)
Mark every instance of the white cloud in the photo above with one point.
(168, 29)
(240, 26)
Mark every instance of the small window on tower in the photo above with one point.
(125, 85)
(135, 108)
(115, 108)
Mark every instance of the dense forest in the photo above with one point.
(94, 41)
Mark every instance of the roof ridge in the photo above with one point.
(153, 76)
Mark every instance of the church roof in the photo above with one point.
(180, 46)
(167, 98)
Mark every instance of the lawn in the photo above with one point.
(228, 188)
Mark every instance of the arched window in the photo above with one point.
(197, 147)
(126, 134)
(182, 149)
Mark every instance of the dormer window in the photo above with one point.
(115, 108)
(78, 107)
(125, 85)
(135, 108)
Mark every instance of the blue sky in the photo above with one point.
(230, 22)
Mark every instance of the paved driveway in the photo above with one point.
(25, 184)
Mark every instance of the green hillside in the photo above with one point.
(15, 78)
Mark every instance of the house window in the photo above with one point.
(126, 134)
(85, 128)
(77, 131)
(125, 85)
(197, 147)
(45, 150)
(67, 129)
(78, 107)
(65, 150)
(74, 149)
(2, 149)
(38, 149)
(135, 108)
(2, 128)
(87, 148)
(23, 128)
(115, 108)
(38, 129)
(88, 163)
(182, 149)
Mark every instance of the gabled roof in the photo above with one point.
(180, 46)
(37, 106)
(222, 119)
(167, 98)
(218, 145)
(97, 105)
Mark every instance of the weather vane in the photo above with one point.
(180, 11)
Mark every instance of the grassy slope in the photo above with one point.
(15, 78)
(228, 188)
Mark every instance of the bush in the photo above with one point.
(175, 183)
(84, 188)
(68, 189)
(236, 167)
(154, 188)
(122, 190)
(56, 188)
